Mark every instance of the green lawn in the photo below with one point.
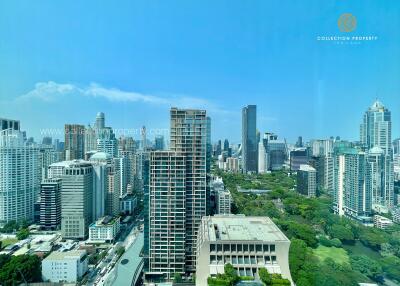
(8, 241)
(339, 255)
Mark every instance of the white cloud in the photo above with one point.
(51, 91)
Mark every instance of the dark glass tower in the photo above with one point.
(249, 138)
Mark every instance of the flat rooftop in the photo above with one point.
(242, 228)
(55, 255)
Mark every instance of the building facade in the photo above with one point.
(19, 175)
(74, 145)
(307, 181)
(64, 266)
(167, 215)
(249, 139)
(77, 200)
(50, 204)
(248, 243)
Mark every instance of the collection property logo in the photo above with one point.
(347, 24)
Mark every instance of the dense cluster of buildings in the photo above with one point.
(82, 186)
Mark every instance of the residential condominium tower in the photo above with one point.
(167, 215)
(19, 176)
(189, 130)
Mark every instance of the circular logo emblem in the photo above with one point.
(347, 22)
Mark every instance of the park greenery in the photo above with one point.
(326, 249)
(16, 270)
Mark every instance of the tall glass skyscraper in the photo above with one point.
(376, 128)
(249, 138)
(376, 138)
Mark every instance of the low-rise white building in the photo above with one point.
(64, 266)
(104, 230)
(382, 222)
(396, 214)
(248, 243)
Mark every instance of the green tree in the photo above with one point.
(23, 234)
(367, 266)
(20, 267)
(264, 276)
(177, 277)
(341, 232)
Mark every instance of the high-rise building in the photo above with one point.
(307, 181)
(298, 157)
(380, 179)
(90, 139)
(113, 192)
(159, 143)
(74, 141)
(50, 204)
(189, 137)
(322, 147)
(9, 124)
(106, 142)
(167, 214)
(375, 133)
(47, 156)
(100, 121)
(276, 151)
(249, 138)
(47, 141)
(262, 158)
(376, 128)
(76, 200)
(19, 175)
(351, 197)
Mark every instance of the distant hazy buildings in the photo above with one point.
(298, 157)
(19, 174)
(276, 151)
(159, 142)
(248, 243)
(74, 141)
(249, 139)
(307, 180)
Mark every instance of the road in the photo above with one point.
(106, 266)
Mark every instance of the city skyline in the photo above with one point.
(126, 62)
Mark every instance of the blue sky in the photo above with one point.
(63, 61)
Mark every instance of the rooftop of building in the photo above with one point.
(67, 164)
(377, 106)
(105, 221)
(307, 168)
(56, 255)
(242, 228)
